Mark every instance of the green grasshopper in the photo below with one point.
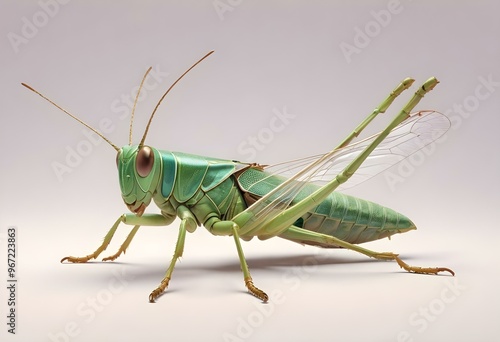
(295, 201)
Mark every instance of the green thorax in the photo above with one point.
(184, 174)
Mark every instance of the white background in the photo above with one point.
(270, 55)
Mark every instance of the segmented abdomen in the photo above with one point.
(354, 220)
(342, 216)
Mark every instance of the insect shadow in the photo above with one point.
(264, 263)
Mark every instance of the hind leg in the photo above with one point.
(299, 234)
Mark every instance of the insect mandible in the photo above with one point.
(296, 201)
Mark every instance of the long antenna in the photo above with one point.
(161, 99)
(135, 103)
(74, 117)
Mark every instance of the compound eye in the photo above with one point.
(144, 161)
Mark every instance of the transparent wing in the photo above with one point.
(418, 131)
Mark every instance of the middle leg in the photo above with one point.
(218, 227)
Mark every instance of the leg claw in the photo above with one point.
(159, 290)
(422, 270)
(112, 257)
(78, 260)
(255, 291)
